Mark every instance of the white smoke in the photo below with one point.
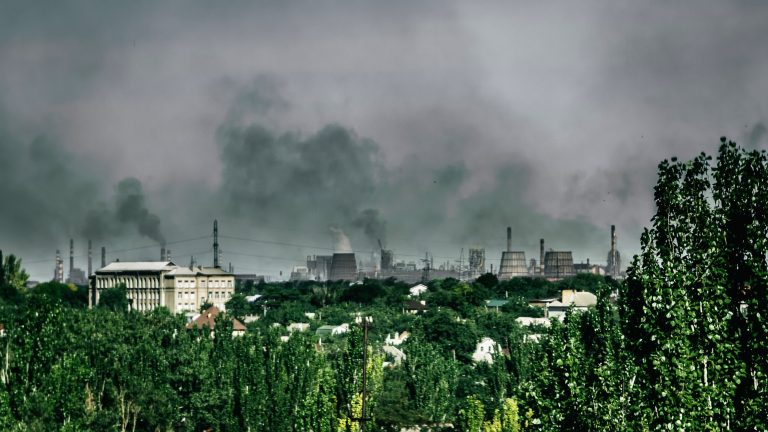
(341, 239)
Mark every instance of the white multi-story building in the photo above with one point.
(153, 284)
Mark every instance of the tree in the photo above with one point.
(238, 306)
(431, 380)
(488, 280)
(114, 298)
(695, 301)
(13, 278)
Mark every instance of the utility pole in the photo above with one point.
(427, 267)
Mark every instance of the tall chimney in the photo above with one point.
(541, 256)
(103, 257)
(90, 258)
(216, 243)
(509, 239)
(71, 256)
(162, 253)
(613, 239)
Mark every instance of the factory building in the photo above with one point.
(153, 284)
(76, 276)
(58, 270)
(558, 264)
(476, 262)
(513, 263)
(319, 267)
(343, 267)
(387, 260)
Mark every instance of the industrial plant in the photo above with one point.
(151, 283)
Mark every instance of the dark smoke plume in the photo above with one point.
(129, 210)
(373, 226)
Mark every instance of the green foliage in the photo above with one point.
(238, 306)
(488, 280)
(114, 299)
(13, 278)
(472, 415)
(694, 299)
(69, 294)
(449, 333)
(431, 380)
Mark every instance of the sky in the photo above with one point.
(429, 125)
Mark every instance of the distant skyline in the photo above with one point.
(432, 125)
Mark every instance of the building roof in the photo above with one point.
(324, 330)
(169, 267)
(198, 271)
(208, 319)
(415, 305)
(529, 321)
(119, 266)
(496, 303)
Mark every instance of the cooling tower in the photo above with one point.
(558, 264)
(513, 263)
(343, 267)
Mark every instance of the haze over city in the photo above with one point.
(429, 126)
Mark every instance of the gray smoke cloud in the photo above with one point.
(129, 210)
(447, 120)
(373, 226)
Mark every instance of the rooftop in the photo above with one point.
(118, 266)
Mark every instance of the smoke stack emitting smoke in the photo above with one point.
(129, 210)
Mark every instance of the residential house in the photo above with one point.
(417, 290)
(396, 354)
(414, 306)
(332, 330)
(208, 319)
(485, 350)
(579, 300)
(396, 339)
(300, 327)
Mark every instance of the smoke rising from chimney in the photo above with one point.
(128, 210)
(341, 240)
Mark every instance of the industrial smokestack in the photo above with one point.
(162, 253)
(71, 256)
(103, 257)
(90, 258)
(216, 243)
(613, 239)
(541, 256)
(509, 239)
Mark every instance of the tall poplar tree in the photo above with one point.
(693, 307)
